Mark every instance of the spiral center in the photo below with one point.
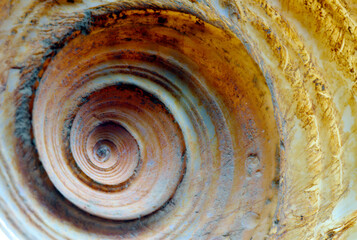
(102, 152)
(105, 152)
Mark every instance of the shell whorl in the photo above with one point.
(177, 120)
(148, 120)
(143, 100)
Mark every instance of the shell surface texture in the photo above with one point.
(180, 119)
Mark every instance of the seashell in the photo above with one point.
(178, 119)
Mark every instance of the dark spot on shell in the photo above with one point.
(162, 20)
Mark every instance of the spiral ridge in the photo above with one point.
(155, 120)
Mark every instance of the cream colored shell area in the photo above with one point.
(306, 52)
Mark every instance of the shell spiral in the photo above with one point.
(174, 120)
(136, 126)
